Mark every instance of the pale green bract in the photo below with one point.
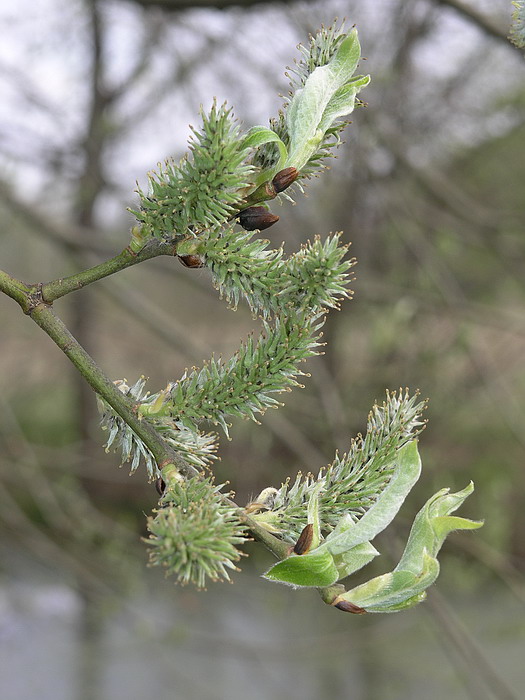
(347, 548)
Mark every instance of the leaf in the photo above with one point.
(432, 524)
(342, 102)
(328, 93)
(314, 569)
(396, 587)
(347, 547)
(349, 562)
(374, 521)
(418, 568)
(258, 136)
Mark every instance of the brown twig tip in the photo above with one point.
(191, 260)
(347, 606)
(284, 179)
(303, 544)
(257, 218)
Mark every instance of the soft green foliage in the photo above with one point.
(517, 30)
(354, 481)
(336, 552)
(327, 94)
(347, 548)
(195, 532)
(418, 568)
(322, 89)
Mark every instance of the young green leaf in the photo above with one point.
(260, 136)
(349, 541)
(315, 569)
(406, 472)
(418, 568)
(354, 559)
(328, 93)
(325, 565)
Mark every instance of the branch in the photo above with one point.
(14, 288)
(51, 291)
(44, 316)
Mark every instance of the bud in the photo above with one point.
(304, 542)
(257, 218)
(264, 501)
(160, 486)
(285, 178)
(346, 606)
(191, 260)
(139, 236)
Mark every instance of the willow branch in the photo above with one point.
(14, 288)
(44, 316)
(55, 289)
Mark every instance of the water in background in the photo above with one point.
(250, 640)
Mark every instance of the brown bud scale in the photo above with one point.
(346, 606)
(304, 542)
(285, 178)
(257, 218)
(191, 260)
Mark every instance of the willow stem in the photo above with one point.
(14, 288)
(276, 546)
(55, 289)
(44, 316)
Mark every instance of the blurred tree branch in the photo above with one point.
(483, 677)
(177, 5)
(488, 25)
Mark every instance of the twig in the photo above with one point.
(64, 285)
(44, 316)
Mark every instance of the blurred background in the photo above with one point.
(428, 188)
